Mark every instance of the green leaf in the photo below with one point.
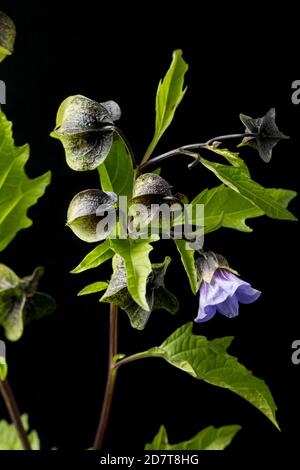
(160, 441)
(7, 277)
(240, 182)
(232, 157)
(209, 361)
(3, 369)
(188, 261)
(9, 438)
(95, 258)
(17, 192)
(169, 94)
(116, 172)
(224, 207)
(3, 365)
(20, 302)
(210, 438)
(3, 53)
(135, 254)
(283, 196)
(93, 288)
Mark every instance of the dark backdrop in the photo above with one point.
(58, 369)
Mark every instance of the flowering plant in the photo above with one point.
(91, 140)
(134, 207)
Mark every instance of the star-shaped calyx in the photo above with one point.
(264, 134)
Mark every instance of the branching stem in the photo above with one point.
(188, 150)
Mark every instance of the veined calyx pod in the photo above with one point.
(151, 203)
(150, 184)
(21, 302)
(158, 297)
(92, 215)
(7, 35)
(85, 128)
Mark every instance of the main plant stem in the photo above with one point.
(111, 378)
(14, 412)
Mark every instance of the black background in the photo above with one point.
(58, 369)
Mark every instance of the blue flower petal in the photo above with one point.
(206, 313)
(228, 281)
(211, 294)
(224, 293)
(246, 294)
(230, 307)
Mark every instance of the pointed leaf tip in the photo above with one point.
(169, 94)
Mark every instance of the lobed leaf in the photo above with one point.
(232, 157)
(224, 207)
(17, 192)
(209, 361)
(9, 438)
(239, 181)
(210, 438)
